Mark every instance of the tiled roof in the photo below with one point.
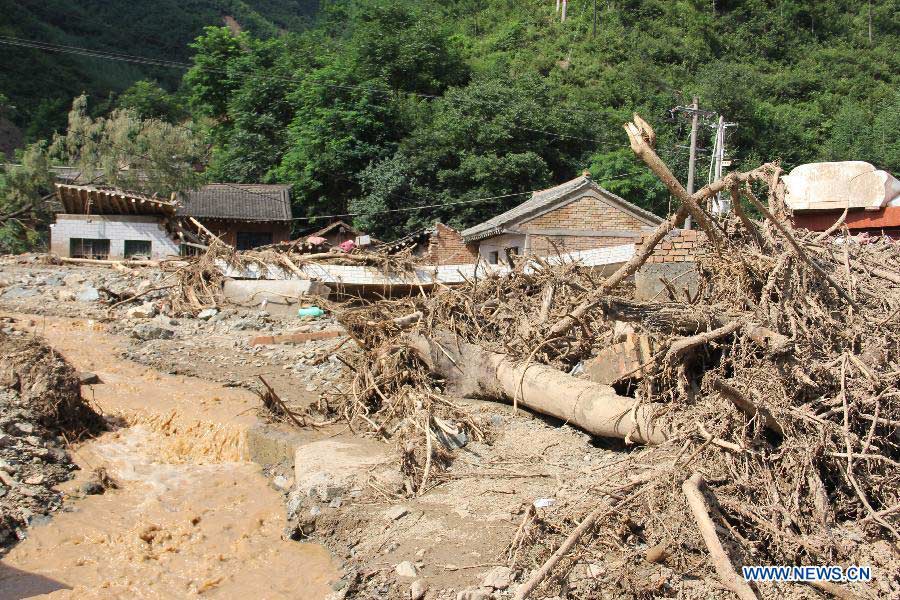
(544, 199)
(238, 201)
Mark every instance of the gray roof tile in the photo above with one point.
(238, 201)
(544, 199)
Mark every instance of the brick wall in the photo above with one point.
(116, 229)
(547, 245)
(681, 245)
(446, 247)
(587, 212)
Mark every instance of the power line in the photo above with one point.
(131, 58)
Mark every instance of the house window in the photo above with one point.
(493, 257)
(138, 248)
(247, 240)
(190, 250)
(88, 248)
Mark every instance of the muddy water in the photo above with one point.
(190, 516)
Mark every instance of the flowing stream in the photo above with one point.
(190, 516)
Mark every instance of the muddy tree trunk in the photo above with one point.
(470, 370)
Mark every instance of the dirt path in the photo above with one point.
(191, 516)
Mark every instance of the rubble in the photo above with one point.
(40, 409)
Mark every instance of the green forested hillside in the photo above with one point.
(385, 105)
(40, 86)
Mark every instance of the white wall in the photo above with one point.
(499, 244)
(116, 229)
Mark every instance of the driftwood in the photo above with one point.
(470, 370)
(108, 263)
(719, 557)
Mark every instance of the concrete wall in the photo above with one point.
(116, 229)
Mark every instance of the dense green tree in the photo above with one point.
(492, 138)
(149, 101)
(25, 187)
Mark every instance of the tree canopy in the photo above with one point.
(378, 107)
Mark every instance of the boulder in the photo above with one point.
(406, 569)
(497, 578)
(151, 331)
(87, 294)
(145, 311)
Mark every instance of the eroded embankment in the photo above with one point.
(190, 515)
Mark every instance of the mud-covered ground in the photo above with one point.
(342, 490)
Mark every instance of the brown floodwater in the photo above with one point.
(191, 517)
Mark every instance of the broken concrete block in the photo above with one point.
(648, 283)
(618, 360)
(282, 296)
(327, 469)
(839, 185)
(296, 338)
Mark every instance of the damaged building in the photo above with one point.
(570, 217)
(99, 222)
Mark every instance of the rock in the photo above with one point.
(451, 441)
(150, 331)
(594, 571)
(87, 294)
(417, 590)
(6, 440)
(34, 479)
(207, 313)
(145, 311)
(24, 427)
(282, 483)
(17, 291)
(335, 503)
(327, 469)
(396, 513)
(497, 578)
(88, 378)
(406, 569)
(473, 595)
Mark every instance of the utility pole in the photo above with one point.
(721, 204)
(565, 8)
(695, 106)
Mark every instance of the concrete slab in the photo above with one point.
(838, 185)
(648, 284)
(283, 296)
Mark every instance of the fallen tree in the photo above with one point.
(470, 371)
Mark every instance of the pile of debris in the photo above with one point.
(41, 411)
(768, 407)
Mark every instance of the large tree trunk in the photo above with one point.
(470, 370)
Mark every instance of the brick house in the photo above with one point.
(574, 216)
(242, 215)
